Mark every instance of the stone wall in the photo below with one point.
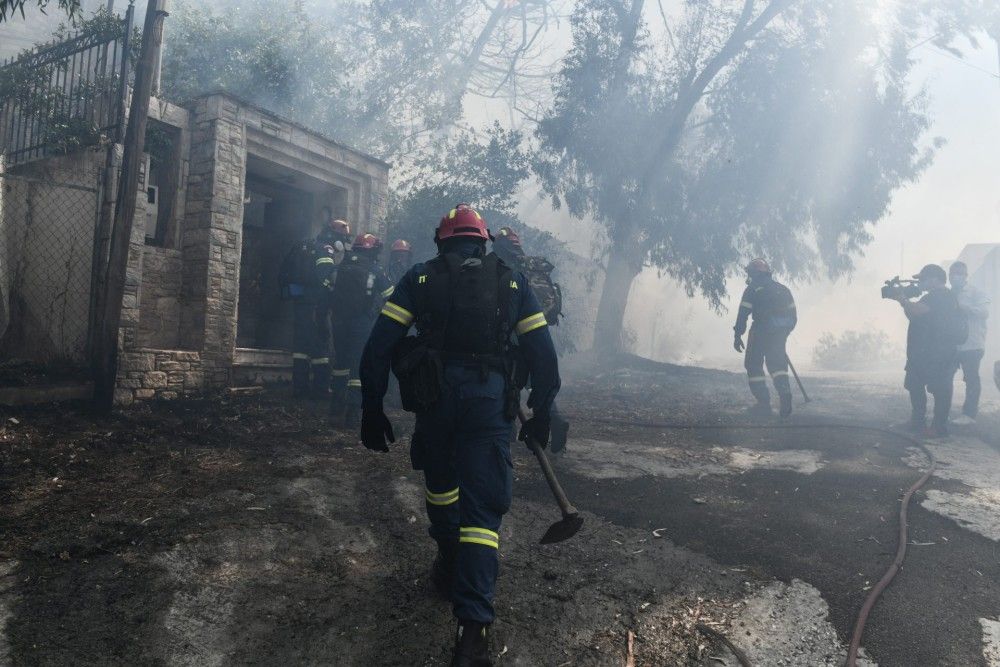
(212, 232)
(158, 374)
(160, 299)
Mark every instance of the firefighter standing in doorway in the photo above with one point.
(456, 375)
(331, 244)
(400, 260)
(774, 316)
(297, 279)
(358, 294)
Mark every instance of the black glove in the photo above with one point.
(738, 344)
(536, 428)
(376, 429)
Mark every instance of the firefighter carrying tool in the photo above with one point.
(458, 375)
(773, 310)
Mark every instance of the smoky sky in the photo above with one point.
(956, 202)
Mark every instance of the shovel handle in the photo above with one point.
(565, 506)
(798, 381)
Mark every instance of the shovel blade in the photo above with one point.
(563, 529)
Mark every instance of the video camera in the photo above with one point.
(897, 288)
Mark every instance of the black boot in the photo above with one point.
(472, 645)
(443, 572)
(786, 404)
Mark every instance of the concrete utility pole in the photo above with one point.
(110, 311)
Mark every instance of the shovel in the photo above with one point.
(571, 521)
(798, 381)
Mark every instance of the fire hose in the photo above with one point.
(876, 591)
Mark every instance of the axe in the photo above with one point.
(571, 521)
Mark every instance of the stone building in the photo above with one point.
(229, 189)
(235, 188)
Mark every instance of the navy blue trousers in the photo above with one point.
(463, 448)
(349, 337)
(303, 347)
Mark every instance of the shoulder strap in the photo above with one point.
(505, 293)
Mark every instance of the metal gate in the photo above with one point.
(64, 96)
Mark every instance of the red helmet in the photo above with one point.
(401, 245)
(758, 266)
(339, 227)
(509, 235)
(367, 242)
(463, 220)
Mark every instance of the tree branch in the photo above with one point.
(690, 95)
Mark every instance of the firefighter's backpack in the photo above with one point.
(354, 286)
(295, 274)
(538, 271)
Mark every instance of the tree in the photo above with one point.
(956, 18)
(281, 60)
(9, 7)
(486, 169)
(389, 76)
(745, 128)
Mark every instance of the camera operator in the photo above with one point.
(931, 348)
(975, 306)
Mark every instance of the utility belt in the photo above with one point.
(420, 371)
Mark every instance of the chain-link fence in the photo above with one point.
(47, 222)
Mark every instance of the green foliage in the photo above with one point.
(952, 19)
(791, 149)
(485, 169)
(281, 60)
(376, 75)
(8, 8)
(855, 351)
(41, 94)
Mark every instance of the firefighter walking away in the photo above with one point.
(772, 308)
(459, 374)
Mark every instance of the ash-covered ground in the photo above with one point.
(246, 531)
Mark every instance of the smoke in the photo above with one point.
(954, 204)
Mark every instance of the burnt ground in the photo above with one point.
(236, 531)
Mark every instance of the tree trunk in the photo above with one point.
(622, 270)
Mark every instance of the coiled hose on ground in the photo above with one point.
(876, 591)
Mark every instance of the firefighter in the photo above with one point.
(507, 246)
(773, 310)
(331, 244)
(538, 271)
(466, 306)
(360, 288)
(297, 279)
(400, 259)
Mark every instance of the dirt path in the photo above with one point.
(246, 532)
